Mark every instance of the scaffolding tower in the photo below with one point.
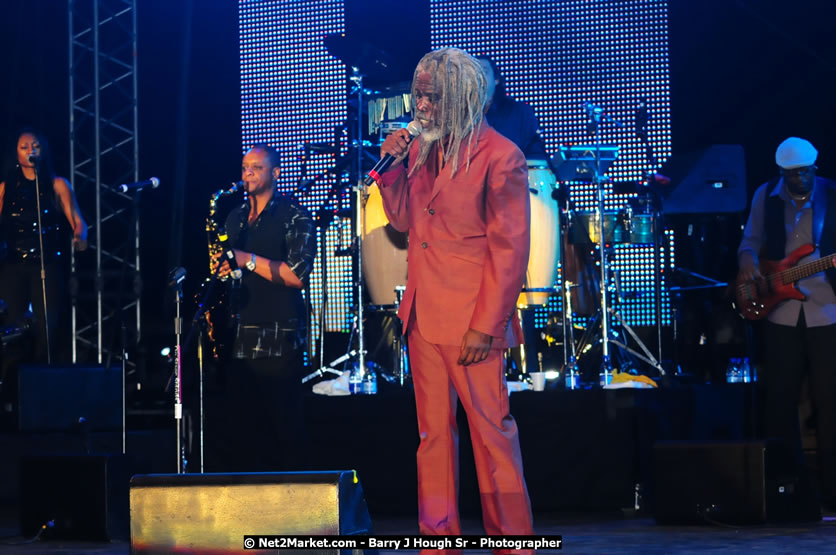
(104, 153)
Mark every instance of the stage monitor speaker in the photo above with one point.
(213, 512)
(85, 497)
(743, 482)
(60, 398)
(709, 181)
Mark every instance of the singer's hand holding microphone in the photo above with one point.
(393, 150)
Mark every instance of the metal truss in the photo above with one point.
(104, 153)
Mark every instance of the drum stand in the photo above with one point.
(608, 335)
(618, 332)
(401, 354)
(570, 358)
(596, 114)
(357, 246)
(331, 366)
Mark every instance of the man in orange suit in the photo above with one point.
(463, 196)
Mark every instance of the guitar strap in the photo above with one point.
(820, 202)
(774, 232)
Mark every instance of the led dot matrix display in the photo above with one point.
(294, 92)
(557, 55)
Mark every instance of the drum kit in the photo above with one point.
(380, 251)
(565, 244)
(558, 233)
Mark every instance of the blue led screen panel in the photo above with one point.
(294, 92)
(557, 55)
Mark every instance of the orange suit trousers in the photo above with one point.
(439, 382)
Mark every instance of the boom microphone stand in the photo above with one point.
(36, 162)
(178, 366)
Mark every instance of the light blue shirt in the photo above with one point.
(820, 306)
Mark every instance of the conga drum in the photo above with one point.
(545, 236)
(585, 229)
(384, 252)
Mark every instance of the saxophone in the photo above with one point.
(213, 236)
(216, 315)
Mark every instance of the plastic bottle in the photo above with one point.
(572, 381)
(355, 380)
(734, 373)
(746, 371)
(369, 382)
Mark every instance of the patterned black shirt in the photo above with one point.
(272, 315)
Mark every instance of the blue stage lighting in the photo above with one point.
(292, 92)
(557, 55)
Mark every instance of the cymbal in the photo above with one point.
(359, 53)
(392, 89)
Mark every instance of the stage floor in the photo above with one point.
(584, 452)
(600, 533)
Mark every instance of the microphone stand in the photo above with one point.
(564, 215)
(357, 244)
(178, 362)
(178, 275)
(596, 115)
(124, 392)
(200, 408)
(43, 269)
(357, 79)
(593, 127)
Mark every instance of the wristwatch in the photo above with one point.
(251, 263)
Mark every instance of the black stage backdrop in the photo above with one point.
(747, 72)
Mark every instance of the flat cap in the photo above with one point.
(795, 153)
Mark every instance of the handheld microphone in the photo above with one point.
(139, 185)
(34, 158)
(383, 164)
(176, 276)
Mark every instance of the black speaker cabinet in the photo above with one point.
(84, 496)
(212, 512)
(56, 398)
(745, 482)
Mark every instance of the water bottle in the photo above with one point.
(355, 380)
(605, 375)
(747, 371)
(571, 376)
(369, 382)
(733, 371)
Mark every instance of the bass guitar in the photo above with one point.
(756, 298)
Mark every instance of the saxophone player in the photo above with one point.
(256, 423)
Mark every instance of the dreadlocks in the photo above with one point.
(461, 86)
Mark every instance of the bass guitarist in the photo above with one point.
(793, 210)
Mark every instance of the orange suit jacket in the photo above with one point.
(468, 239)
